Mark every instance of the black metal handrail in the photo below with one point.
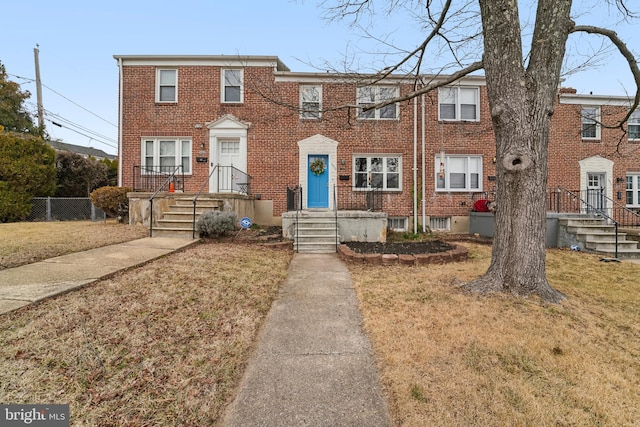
(234, 180)
(152, 178)
(167, 182)
(593, 209)
(294, 203)
(335, 211)
(561, 200)
(357, 199)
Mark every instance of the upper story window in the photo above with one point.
(458, 173)
(371, 95)
(633, 126)
(377, 172)
(590, 125)
(232, 85)
(310, 101)
(459, 103)
(165, 154)
(166, 85)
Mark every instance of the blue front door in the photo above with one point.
(318, 181)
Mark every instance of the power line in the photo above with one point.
(85, 129)
(71, 101)
(83, 134)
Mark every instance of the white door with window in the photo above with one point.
(596, 192)
(228, 155)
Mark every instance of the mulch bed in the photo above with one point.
(403, 253)
(399, 248)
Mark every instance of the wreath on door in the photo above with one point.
(318, 167)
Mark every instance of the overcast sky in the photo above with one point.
(77, 41)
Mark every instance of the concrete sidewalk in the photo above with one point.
(24, 285)
(313, 365)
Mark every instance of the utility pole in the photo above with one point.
(36, 51)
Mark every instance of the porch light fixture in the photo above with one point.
(198, 126)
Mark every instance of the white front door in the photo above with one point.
(596, 191)
(228, 161)
(228, 148)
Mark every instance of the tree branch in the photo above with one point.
(479, 65)
(628, 55)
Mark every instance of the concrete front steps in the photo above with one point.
(178, 221)
(316, 232)
(593, 234)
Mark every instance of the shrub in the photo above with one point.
(112, 200)
(14, 206)
(216, 223)
(27, 170)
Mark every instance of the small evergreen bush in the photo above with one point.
(112, 200)
(216, 223)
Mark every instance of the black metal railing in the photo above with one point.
(294, 203)
(348, 198)
(166, 185)
(294, 198)
(152, 178)
(231, 179)
(335, 212)
(228, 179)
(592, 201)
(586, 206)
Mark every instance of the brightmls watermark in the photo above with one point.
(34, 415)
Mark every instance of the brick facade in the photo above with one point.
(269, 109)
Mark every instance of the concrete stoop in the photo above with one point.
(178, 221)
(316, 232)
(592, 234)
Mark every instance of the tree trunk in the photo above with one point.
(521, 101)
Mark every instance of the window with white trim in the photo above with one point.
(232, 85)
(590, 126)
(166, 85)
(459, 103)
(310, 101)
(633, 126)
(458, 173)
(633, 190)
(371, 95)
(377, 172)
(165, 154)
(397, 223)
(440, 223)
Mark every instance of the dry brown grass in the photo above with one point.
(450, 359)
(28, 242)
(160, 345)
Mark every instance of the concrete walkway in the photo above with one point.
(313, 365)
(24, 285)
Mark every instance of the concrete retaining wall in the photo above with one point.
(482, 223)
(353, 226)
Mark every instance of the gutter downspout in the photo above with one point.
(424, 172)
(120, 103)
(415, 164)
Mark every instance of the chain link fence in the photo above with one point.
(64, 209)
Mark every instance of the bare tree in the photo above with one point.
(521, 90)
